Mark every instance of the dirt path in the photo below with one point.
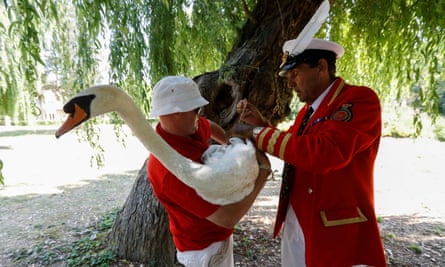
(52, 193)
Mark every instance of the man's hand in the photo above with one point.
(243, 131)
(250, 114)
(265, 167)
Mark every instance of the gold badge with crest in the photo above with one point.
(344, 113)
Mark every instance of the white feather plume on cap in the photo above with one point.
(305, 40)
(299, 44)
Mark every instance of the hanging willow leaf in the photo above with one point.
(391, 46)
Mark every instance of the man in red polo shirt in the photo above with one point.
(202, 231)
(327, 197)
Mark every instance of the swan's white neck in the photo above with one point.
(136, 121)
(226, 179)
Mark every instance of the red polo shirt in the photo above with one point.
(186, 210)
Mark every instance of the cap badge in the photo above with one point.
(284, 58)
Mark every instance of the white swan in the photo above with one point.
(222, 180)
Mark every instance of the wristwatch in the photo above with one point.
(256, 131)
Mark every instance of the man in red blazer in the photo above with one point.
(327, 192)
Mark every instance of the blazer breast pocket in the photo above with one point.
(342, 216)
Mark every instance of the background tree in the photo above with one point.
(232, 49)
(392, 46)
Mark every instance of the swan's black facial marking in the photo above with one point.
(83, 102)
(79, 110)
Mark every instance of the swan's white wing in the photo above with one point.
(228, 175)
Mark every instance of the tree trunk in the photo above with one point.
(251, 68)
(140, 232)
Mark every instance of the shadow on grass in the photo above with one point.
(14, 133)
(409, 240)
(43, 226)
(413, 240)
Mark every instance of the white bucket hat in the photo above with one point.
(175, 94)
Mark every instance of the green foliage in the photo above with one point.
(388, 236)
(89, 22)
(398, 122)
(2, 178)
(221, 29)
(84, 252)
(438, 230)
(89, 250)
(108, 220)
(439, 132)
(91, 136)
(395, 47)
(416, 248)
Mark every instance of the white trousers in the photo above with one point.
(218, 254)
(292, 242)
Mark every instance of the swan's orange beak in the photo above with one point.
(77, 117)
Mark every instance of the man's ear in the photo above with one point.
(323, 65)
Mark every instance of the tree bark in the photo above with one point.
(140, 232)
(251, 68)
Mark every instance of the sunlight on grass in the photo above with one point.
(41, 164)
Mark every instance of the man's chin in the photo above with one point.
(300, 97)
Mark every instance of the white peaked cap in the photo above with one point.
(305, 41)
(294, 48)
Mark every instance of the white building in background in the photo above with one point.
(50, 105)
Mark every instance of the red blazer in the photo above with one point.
(332, 189)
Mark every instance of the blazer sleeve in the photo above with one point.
(329, 141)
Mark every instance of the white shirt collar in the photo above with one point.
(321, 97)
